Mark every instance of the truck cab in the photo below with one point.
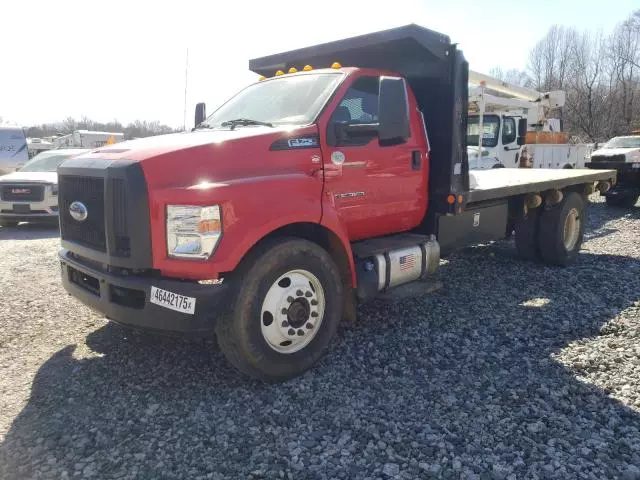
(502, 140)
(341, 175)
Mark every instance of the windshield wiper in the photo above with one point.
(244, 122)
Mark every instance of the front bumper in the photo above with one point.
(125, 299)
(628, 176)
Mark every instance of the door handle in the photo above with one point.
(416, 160)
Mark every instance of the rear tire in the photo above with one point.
(256, 336)
(8, 223)
(562, 230)
(527, 228)
(627, 201)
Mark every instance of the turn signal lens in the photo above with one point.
(206, 226)
(451, 199)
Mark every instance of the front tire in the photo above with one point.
(562, 230)
(288, 304)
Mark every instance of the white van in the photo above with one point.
(13, 149)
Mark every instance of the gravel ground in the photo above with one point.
(511, 371)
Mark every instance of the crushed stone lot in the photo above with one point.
(513, 370)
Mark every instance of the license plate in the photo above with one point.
(21, 191)
(21, 208)
(173, 301)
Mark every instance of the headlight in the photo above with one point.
(193, 231)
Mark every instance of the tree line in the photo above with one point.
(600, 74)
(137, 129)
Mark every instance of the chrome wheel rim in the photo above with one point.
(571, 229)
(292, 311)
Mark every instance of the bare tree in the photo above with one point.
(587, 93)
(139, 128)
(624, 55)
(512, 76)
(601, 75)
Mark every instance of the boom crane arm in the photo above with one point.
(552, 99)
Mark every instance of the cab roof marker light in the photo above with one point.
(307, 68)
(336, 65)
(279, 73)
(293, 70)
(262, 77)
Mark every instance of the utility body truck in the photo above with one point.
(307, 192)
(517, 131)
(38, 145)
(87, 139)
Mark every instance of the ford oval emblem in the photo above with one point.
(78, 211)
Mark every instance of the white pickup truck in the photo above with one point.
(31, 193)
(623, 155)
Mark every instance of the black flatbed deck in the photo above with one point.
(500, 183)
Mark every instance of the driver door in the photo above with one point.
(376, 190)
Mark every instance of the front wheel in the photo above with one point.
(287, 309)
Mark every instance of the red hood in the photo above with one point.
(182, 159)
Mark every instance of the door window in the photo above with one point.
(508, 130)
(359, 105)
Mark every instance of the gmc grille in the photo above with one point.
(608, 158)
(22, 193)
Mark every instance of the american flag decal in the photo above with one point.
(407, 262)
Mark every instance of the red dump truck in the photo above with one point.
(339, 176)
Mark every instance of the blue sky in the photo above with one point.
(126, 59)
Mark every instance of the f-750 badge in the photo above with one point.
(303, 142)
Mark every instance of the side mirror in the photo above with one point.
(522, 131)
(393, 111)
(522, 127)
(201, 113)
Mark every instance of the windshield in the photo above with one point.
(47, 161)
(490, 126)
(293, 100)
(623, 142)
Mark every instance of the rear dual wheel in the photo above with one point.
(562, 230)
(287, 306)
(553, 235)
